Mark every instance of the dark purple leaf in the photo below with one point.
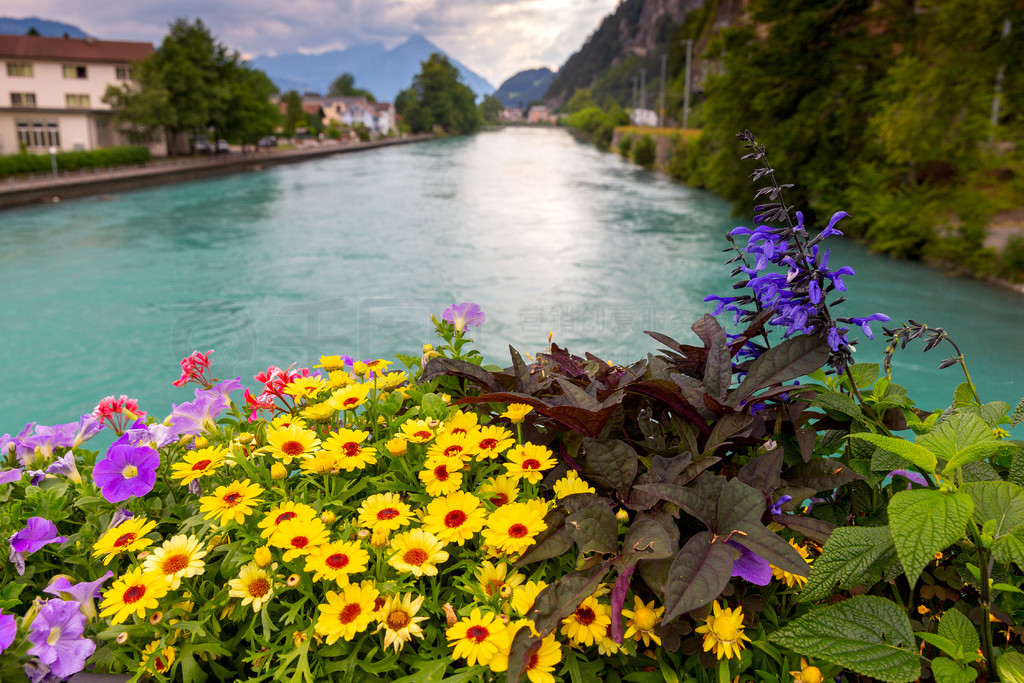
(698, 575)
(762, 473)
(618, 598)
(594, 529)
(821, 474)
(610, 463)
(791, 359)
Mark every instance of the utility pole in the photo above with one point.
(1000, 73)
(636, 80)
(661, 97)
(686, 87)
(643, 89)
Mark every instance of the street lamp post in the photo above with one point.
(53, 160)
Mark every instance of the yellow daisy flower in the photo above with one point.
(198, 463)
(234, 501)
(319, 412)
(542, 662)
(299, 537)
(492, 441)
(282, 513)
(455, 518)
(321, 462)
(348, 445)
(642, 620)
(477, 638)
(384, 511)
(375, 366)
(339, 378)
(330, 363)
(180, 557)
(495, 581)
(792, 580)
(525, 595)
(398, 619)
(453, 445)
(500, 490)
(499, 662)
(158, 662)
(807, 674)
(588, 624)
(126, 537)
(347, 613)
(461, 423)
(517, 412)
(337, 560)
(133, 593)
(570, 484)
(723, 632)
(350, 396)
(286, 443)
(512, 528)
(417, 431)
(442, 475)
(284, 421)
(529, 462)
(418, 552)
(397, 446)
(254, 585)
(391, 380)
(305, 387)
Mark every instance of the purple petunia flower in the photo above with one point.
(8, 630)
(56, 636)
(66, 466)
(126, 471)
(464, 315)
(83, 593)
(750, 566)
(38, 533)
(10, 476)
(199, 415)
(37, 672)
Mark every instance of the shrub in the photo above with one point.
(645, 151)
(15, 164)
(625, 144)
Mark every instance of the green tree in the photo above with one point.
(580, 100)
(345, 86)
(438, 98)
(250, 114)
(491, 109)
(293, 114)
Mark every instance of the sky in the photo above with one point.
(495, 38)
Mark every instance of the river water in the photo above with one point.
(351, 254)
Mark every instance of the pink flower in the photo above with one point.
(193, 369)
(118, 413)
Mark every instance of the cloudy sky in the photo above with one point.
(495, 38)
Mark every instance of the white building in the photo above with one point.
(51, 91)
(378, 117)
(643, 117)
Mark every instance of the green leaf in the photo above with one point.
(791, 359)
(912, 452)
(958, 628)
(1010, 548)
(948, 671)
(1000, 501)
(611, 464)
(848, 559)
(993, 412)
(1017, 466)
(942, 642)
(864, 375)
(1010, 667)
(698, 575)
(963, 396)
(867, 634)
(956, 432)
(1018, 414)
(978, 451)
(924, 522)
(594, 529)
(838, 403)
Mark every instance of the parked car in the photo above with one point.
(223, 146)
(267, 141)
(203, 146)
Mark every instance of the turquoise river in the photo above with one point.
(351, 254)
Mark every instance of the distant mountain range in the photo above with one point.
(525, 87)
(53, 29)
(383, 72)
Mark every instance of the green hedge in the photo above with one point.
(14, 164)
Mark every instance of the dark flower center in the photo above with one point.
(300, 541)
(133, 594)
(285, 516)
(454, 519)
(585, 616)
(477, 633)
(124, 540)
(458, 430)
(518, 530)
(531, 464)
(201, 465)
(337, 561)
(500, 499)
(441, 472)
(349, 613)
(398, 620)
(489, 444)
(415, 557)
(259, 588)
(378, 603)
(175, 563)
(387, 513)
(349, 402)
(292, 448)
(351, 449)
(453, 450)
(423, 434)
(232, 498)
(533, 663)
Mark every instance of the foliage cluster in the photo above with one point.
(13, 164)
(438, 99)
(345, 86)
(598, 124)
(192, 85)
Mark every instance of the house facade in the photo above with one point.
(51, 91)
(378, 117)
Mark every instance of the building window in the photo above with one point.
(77, 101)
(125, 73)
(19, 69)
(23, 99)
(74, 71)
(33, 134)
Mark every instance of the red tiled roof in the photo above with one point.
(73, 49)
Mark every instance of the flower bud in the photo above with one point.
(379, 538)
(327, 517)
(156, 617)
(362, 533)
(262, 556)
(397, 446)
(622, 515)
(202, 442)
(244, 437)
(446, 398)
(299, 637)
(122, 638)
(427, 348)
(449, 614)
(278, 472)
(293, 580)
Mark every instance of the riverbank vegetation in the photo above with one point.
(753, 506)
(438, 100)
(19, 164)
(913, 115)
